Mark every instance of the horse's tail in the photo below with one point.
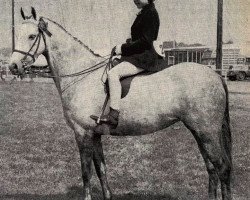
(226, 137)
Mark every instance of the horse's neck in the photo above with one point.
(67, 54)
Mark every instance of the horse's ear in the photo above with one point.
(22, 13)
(33, 12)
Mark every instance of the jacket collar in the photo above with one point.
(146, 8)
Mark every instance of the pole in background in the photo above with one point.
(219, 37)
(13, 25)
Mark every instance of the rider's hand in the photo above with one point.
(118, 49)
(129, 40)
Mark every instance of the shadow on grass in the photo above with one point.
(75, 193)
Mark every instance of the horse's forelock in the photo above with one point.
(27, 26)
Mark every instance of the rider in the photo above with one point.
(137, 55)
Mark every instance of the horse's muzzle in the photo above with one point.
(15, 70)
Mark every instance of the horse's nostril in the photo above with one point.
(13, 68)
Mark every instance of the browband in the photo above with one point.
(43, 27)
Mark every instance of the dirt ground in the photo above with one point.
(39, 157)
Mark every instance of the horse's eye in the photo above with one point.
(32, 37)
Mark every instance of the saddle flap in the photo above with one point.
(126, 82)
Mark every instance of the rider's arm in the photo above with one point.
(148, 35)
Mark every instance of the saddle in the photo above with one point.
(126, 82)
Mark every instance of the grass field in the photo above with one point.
(39, 157)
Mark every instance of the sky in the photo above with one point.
(102, 24)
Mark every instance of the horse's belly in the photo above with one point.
(143, 126)
(149, 108)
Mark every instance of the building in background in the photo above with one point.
(230, 52)
(175, 54)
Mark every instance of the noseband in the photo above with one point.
(42, 27)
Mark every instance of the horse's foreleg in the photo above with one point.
(213, 180)
(85, 144)
(100, 167)
(225, 184)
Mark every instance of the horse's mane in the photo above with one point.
(75, 38)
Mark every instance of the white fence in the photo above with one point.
(6, 75)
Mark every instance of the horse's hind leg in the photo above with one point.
(100, 167)
(209, 141)
(212, 174)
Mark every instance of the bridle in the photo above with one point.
(43, 29)
(26, 54)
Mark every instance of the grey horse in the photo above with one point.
(187, 92)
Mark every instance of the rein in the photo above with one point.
(83, 72)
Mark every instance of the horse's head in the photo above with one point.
(30, 42)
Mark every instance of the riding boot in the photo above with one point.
(111, 118)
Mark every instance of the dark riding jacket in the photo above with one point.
(139, 49)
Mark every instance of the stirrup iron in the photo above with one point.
(96, 118)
